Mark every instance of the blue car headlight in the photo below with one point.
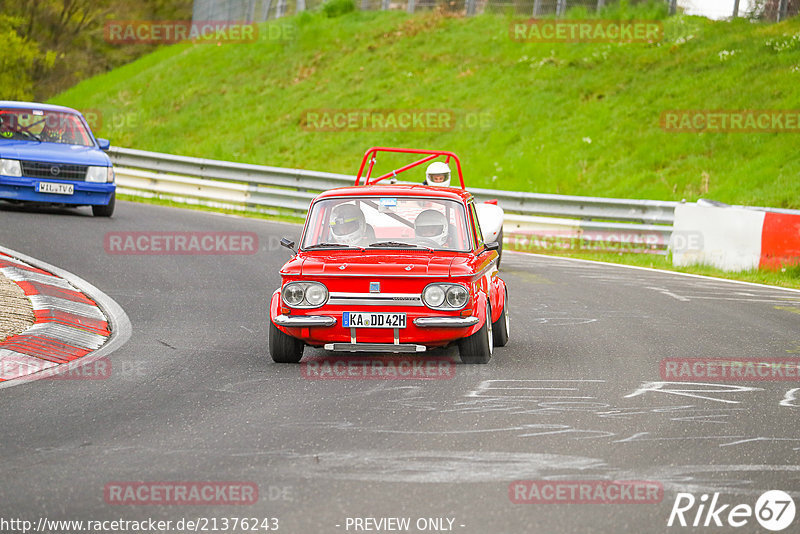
(10, 167)
(100, 174)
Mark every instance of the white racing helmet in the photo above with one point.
(348, 224)
(438, 173)
(431, 224)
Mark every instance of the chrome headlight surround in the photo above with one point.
(304, 295)
(445, 296)
(100, 175)
(10, 167)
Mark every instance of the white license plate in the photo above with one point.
(373, 320)
(57, 188)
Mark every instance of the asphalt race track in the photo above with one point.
(576, 395)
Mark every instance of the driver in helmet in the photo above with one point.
(431, 225)
(437, 173)
(348, 225)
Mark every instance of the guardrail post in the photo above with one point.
(537, 8)
(561, 8)
(470, 7)
(411, 7)
(600, 4)
(782, 8)
(301, 6)
(280, 10)
(265, 7)
(673, 6)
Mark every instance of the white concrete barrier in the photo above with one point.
(726, 237)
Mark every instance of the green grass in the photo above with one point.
(578, 119)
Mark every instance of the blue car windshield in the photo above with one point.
(37, 125)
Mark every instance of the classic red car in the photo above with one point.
(391, 268)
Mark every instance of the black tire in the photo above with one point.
(284, 348)
(500, 250)
(500, 327)
(107, 210)
(478, 347)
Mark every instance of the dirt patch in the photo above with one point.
(16, 311)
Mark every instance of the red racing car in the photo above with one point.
(391, 268)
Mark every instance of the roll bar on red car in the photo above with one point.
(372, 154)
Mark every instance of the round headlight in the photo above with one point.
(457, 296)
(433, 296)
(293, 294)
(316, 294)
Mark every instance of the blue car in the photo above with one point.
(49, 154)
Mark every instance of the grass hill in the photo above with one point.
(580, 119)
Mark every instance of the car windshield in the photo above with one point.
(37, 125)
(387, 223)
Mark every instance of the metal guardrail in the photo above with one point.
(289, 191)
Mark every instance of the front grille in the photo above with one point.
(375, 299)
(53, 171)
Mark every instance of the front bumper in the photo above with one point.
(304, 321)
(85, 193)
(445, 322)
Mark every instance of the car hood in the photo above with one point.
(53, 153)
(369, 263)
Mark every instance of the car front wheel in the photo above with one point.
(107, 210)
(284, 348)
(500, 326)
(478, 347)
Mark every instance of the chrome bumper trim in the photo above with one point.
(374, 347)
(304, 320)
(445, 322)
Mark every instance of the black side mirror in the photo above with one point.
(288, 243)
(494, 245)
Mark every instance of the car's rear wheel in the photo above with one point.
(478, 347)
(107, 210)
(284, 348)
(500, 327)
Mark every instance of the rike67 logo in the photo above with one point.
(774, 510)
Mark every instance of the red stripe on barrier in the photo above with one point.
(36, 288)
(4, 263)
(96, 326)
(44, 348)
(780, 240)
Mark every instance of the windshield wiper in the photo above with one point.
(399, 244)
(330, 245)
(29, 134)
